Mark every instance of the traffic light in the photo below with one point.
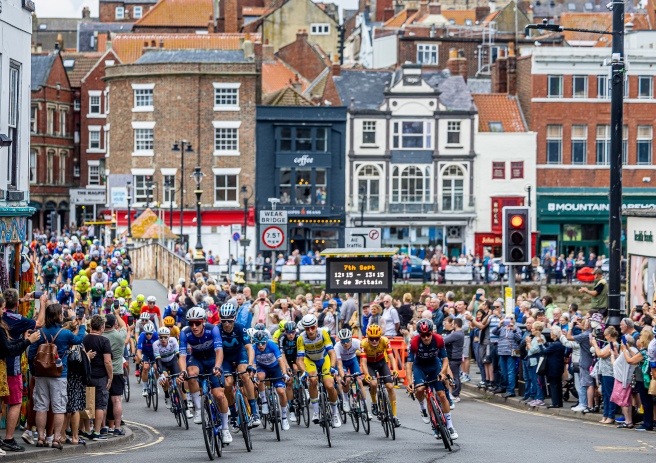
(516, 235)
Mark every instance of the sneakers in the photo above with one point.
(265, 408)
(337, 423)
(537, 403)
(144, 393)
(285, 424)
(119, 432)
(620, 419)
(642, 428)
(189, 414)
(396, 422)
(12, 446)
(227, 437)
(578, 408)
(2, 453)
(508, 395)
(589, 410)
(456, 399)
(464, 378)
(166, 402)
(424, 416)
(315, 417)
(346, 406)
(234, 426)
(292, 417)
(27, 437)
(255, 420)
(454, 434)
(197, 417)
(98, 437)
(374, 409)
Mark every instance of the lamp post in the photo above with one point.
(245, 242)
(182, 147)
(149, 189)
(200, 264)
(129, 198)
(363, 201)
(169, 186)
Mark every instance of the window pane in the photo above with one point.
(555, 86)
(285, 139)
(499, 170)
(579, 148)
(517, 169)
(303, 187)
(226, 97)
(579, 86)
(286, 185)
(321, 142)
(226, 139)
(143, 97)
(303, 139)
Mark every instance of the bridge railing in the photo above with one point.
(155, 262)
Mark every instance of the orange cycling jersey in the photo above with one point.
(377, 353)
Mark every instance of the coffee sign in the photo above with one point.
(304, 160)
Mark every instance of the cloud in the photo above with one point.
(64, 8)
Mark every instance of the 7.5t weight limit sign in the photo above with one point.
(274, 237)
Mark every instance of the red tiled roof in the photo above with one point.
(254, 11)
(178, 13)
(397, 20)
(498, 107)
(276, 75)
(459, 16)
(82, 64)
(492, 16)
(598, 21)
(129, 47)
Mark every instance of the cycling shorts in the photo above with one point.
(273, 372)
(83, 296)
(240, 359)
(205, 367)
(171, 366)
(312, 366)
(147, 357)
(424, 374)
(351, 366)
(381, 367)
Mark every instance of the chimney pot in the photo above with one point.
(434, 8)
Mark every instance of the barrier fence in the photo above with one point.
(155, 262)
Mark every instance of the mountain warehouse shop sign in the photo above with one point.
(592, 207)
(644, 236)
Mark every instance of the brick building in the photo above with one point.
(124, 10)
(565, 96)
(52, 142)
(206, 97)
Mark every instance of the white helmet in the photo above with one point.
(99, 286)
(250, 332)
(151, 299)
(67, 288)
(110, 294)
(149, 328)
(121, 300)
(309, 320)
(99, 270)
(144, 316)
(164, 331)
(174, 307)
(196, 313)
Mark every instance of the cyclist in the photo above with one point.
(49, 274)
(100, 277)
(201, 351)
(270, 364)
(167, 351)
(279, 331)
(145, 355)
(83, 287)
(346, 351)
(315, 350)
(108, 302)
(428, 361)
(137, 304)
(237, 355)
(289, 350)
(65, 295)
(123, 291)
(173, 310)
(153, 310)
(374, 354)
(97, 294)
(169, 322)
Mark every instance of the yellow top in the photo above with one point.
(375, 354)
(125, 293)
(314, 349)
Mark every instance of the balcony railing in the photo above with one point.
(462, 204)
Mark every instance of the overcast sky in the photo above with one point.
(64, 8)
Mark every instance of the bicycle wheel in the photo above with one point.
(183, 410)
(208, 428)
(264, 418)
(326, 416)
(272, 416)
(389, 416)
(340, 406)
(382, 409)
(218, 437)
(177, 409)
(304, 407)
(364, 413)
(243, 422)
(154, 392)
(355, 410)
(439, 424)
(149, 398)
(275, 413)
(126, 384)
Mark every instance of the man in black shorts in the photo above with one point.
(116, 332)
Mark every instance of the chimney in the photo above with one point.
(302, 35)
(434, 8)
(512, 69)
(248, 47)
(362, 5)
(452, 62)
(482, 12)
(60, 42)
(86, 12)
(337, 68)
(423, 7)
(388, 13)
(499, 75)
(108, 42)
(398, 7)
(231, 16)
(463, 67)
(267, 51)
(297, 85)
(39, 48)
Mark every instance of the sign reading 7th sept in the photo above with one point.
(359, 274)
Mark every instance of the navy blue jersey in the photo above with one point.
(287, 347)
(202, 347)
(427, 355)
(234, 342)
(65, 298)
(18, 325)
(145, 345)
(269, 357)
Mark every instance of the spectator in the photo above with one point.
(598, 293)
(586, 394)
(575, 362)
(508, 348)
(623, 372)
(454, 339)
(606, 371)
(643, 379)
(328, 318)
(627, 327)
(116, 332)
(102, 373)
(549, 306)
(495, 320)
(484, 348)
(279, 264)
(266, 269)
(405, 312)
(75, 384)
(536, 301)
(555, 357)
(366, 314)
(391, 317)
(534, 345)
(347, 310)
(461, 313)
(50, 392)
(376, 317)
(529, 387)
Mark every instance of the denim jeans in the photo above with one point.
(607, 383)
(508, 372)
(582, 390)
(537, 381)
(529, 386)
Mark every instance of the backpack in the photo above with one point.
(79, 362)
(47, 362)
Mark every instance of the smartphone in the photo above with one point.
(478, 297)
(623, 340)
(80, 313)
(37, 294)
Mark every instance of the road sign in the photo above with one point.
(273, 217)
(236, 236)
(235, 228)
(273, 238)
(362, 237)
(359, 274)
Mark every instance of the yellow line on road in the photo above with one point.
(136, 446)
(618, 449)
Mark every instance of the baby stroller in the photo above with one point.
(568, 388)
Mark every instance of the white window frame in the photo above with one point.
(645, 136)
(50, 120)
(650, 81)
(559, 78)
(119, 12)
(63, 113)
(93, 114)
(96, 165)
(603, 92)
(95, 129)
(224, 125)
(168, 172)
(34, 166)
(234, 171)
(585, 86)
(369, 126)
(137, 12)
(143, 125)
(218, 88)
(63, 154)
(106, 93)
(454, 127)
(320, 29)
(556, 138)
(143, 108)
(34, 118)
(430, 50)
(76, 104)
(427, 134)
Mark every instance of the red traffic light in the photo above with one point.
(516, 221)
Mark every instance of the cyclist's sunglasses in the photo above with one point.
(149, 334)
(373, 339)
(290, 332)
(426, 335)
(164, 337)
(261, 343)
(196, 323)
(345, 341)
(227, 321)
(310, 328)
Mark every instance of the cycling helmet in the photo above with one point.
(259, 326)
(425, 326)
(174, 307)
(73, 264)
(289, 327)
(119, 268)
(309, 320)
(99, 286)
(261, 337)
(82, 272)
(84, 279)
(164, 331)
(114, 261)
(141, 298)
(250, 332)
(124, 283)
(99, 270)
(123, 311)
(149, 328)
(109, 295)
(67, 288)
(121, 301)
(149, 298)
(228, 311)
(281, 325)
(126, 262)
(95, 253)
(117, 253)
(345, 334)
(196, 313)
(144, 316)
(169, 321)
(374, 331)
(96, 242)
(49, 263)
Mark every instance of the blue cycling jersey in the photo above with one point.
(269, 357)
(179, 317)
(203, 347)
(145, 345)
(64, 298)
(234, 342)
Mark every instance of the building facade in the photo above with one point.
(52, 144)
(410, 157)
(124, 10)
(300, 161)
(569, 96)
(205, 97)
(15, 72)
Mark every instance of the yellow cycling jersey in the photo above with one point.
(375, 354)
(175, 332)
(82, 287)
(276, 335)
(314, 349)
(125, 293)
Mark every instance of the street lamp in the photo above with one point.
(129, 198)
(363, 200)
(245, 242)
(149, 189)
(168, 184)
(182, 147)
(200, 264)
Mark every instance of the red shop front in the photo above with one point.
(493, 241)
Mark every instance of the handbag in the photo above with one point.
(541, 369)
(78, 361)
(487, 358)
(576, 367)
(652, 387)
(515, 353)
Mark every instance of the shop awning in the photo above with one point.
(354, 252)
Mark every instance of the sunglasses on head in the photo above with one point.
(196, 323)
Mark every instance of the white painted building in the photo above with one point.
(15, 75)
